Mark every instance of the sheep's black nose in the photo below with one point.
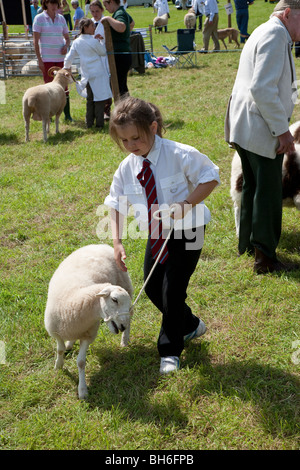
(122, 327)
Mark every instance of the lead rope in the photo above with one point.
(157, 217)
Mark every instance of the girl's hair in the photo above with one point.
(84, 23)
(45, 3)
(96, 3)
(130, 110)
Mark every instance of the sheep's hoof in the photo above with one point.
(59, 363)
(82, 393)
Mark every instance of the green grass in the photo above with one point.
(238, 387)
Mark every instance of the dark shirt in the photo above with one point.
(241, 4)
(121, 41)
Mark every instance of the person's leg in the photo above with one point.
(207, 30)
(123, 63)
(267, 204)
(99, 113)
(167, 290)
(214, 33)
(90, 107)
(261, 206)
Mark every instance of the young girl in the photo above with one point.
(94, 74)
(183, 176)
(96, 9)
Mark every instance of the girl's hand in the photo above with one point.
(98, 36)
(179, 210)
(120, 256)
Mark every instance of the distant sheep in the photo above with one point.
(160, 21)
(17, 50)
(47, 100)
(190, 19)
(87, 287)
(290, 178)
(31, 68)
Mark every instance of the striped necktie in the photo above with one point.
(146, 179)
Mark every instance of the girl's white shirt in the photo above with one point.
(178, 169)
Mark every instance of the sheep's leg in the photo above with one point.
(237, 216)
(60, 352)
(57, 124)
(81, 361)
(27, 121)
(125, 337)
(45, 127)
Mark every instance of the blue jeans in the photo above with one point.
(242, 17)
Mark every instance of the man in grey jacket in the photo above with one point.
(257, 125)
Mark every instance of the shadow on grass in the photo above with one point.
(129, 380)
(9, 138)
(290, 241)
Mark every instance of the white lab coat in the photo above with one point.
(93, 70)
(161, 6)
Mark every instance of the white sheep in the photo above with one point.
(160, 21)
(45, 101)
(31, 68)
(290, 178)
(87, 287)
(190, 19)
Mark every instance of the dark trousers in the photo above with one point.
(261, 207)
(94, 110)
(123, 63)
(242, 18)
(167, 290)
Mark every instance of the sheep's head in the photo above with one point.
(116, 308)
(57, 71)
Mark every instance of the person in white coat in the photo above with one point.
(95, 77)
(257, 125)
(97, 10)
(199, 9)
(162, 8)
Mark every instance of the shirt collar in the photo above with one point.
(46, 13)
(153, 155)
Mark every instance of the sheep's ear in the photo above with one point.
(104, 292)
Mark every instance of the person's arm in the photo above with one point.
(286, 143)
(132, 23)
(36, 40)
(117, 25)
(65, 48)
(117, 221)
(201, 192)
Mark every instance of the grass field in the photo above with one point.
(238, 387)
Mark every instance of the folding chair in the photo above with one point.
(184, 53)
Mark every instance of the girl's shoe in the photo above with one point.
(169, 364)
(200, 330)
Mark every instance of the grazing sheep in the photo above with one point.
(290, 178)
(87, 287)
(190, 19)
(45, 101)
(160, 21)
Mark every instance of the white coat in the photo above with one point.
(264, 92)
(93, 71)
(162, 7)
